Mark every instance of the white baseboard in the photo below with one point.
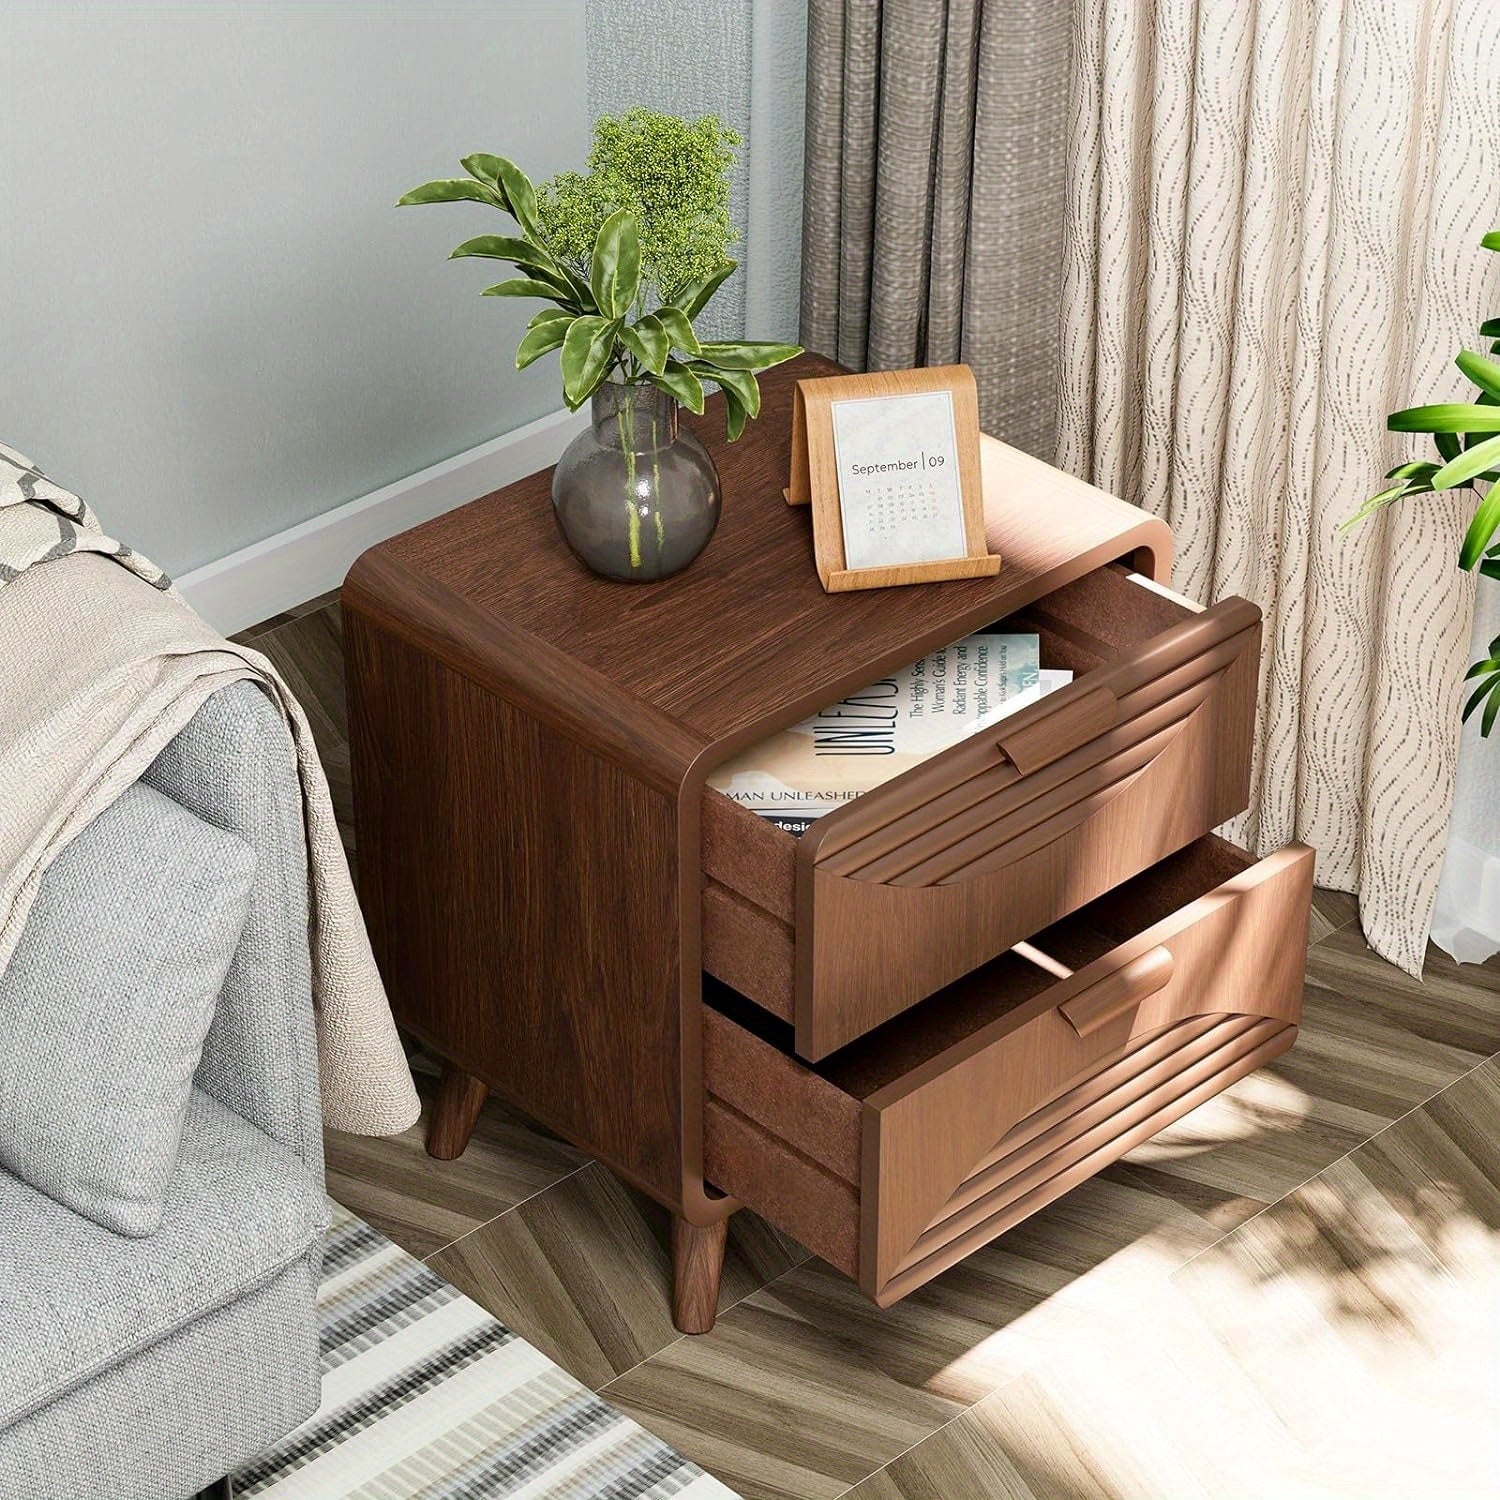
(311, 558)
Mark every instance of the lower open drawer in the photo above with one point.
(896, 1156)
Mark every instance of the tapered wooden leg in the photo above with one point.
(460, 1098)
(697, 1269)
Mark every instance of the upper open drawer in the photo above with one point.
(935, 872)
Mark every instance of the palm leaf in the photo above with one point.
(1378, 502)
(1487, 689)
(1468, 464)
(1484, 525)
(1447, 416)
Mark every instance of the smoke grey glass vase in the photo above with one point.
(634, 497)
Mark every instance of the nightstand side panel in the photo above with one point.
(522, 895)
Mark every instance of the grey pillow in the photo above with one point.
(106, 1002)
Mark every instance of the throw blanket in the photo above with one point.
(101, 664)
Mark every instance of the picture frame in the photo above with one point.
(888, 463)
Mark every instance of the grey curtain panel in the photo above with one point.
(935, 195)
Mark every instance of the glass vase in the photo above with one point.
(635, 497)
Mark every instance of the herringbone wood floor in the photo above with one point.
(1295, 1291)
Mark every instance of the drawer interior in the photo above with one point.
(1079, 629)
(1002, 986)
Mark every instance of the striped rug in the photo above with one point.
(425, 1394)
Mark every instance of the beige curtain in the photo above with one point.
(1272, 241)
(932, 229)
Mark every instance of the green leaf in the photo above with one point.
(510, 185)
(1485, 373)
(742, 383)
(1421, 468)
(521, 196)
(543, 339)
(1448, 445)
(648, 341)
(504, 247)
(1490, 328)
(586, 353)
(680, 383)
(693, 298)
(521, 286)
(550, 315)
(1491, 241)
(451, 190)
(1483, 668)
(1470, 462)
(1450, 416)
(751, 354)
(615, 272)
(528, 257)
(1489, 688)
(679, 329)
(484, 168)
(1378, 502)
(735, 415)
(1484, 525)
(1490, 569)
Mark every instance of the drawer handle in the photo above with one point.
(1067, 726)
(1120, 990)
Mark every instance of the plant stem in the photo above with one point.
(625, 421)
(661, 535)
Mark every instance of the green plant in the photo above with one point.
(1467, 438)
(628, 254)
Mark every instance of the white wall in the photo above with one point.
(213, 321)
(746, 65)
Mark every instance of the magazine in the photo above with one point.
(886, 728)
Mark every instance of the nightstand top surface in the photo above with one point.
(745, 640)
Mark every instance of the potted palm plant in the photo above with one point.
(1466, 435)
(626, 256)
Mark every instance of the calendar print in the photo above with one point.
(899, 491)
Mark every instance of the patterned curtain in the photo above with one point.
(932, 229)
(1272, 241)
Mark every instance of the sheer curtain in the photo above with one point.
(1271, 238)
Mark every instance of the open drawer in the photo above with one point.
(939, 870)
(946, 1126)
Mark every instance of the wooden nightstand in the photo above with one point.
(949, 1002)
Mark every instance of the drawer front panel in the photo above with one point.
(962, 1148)
(895, 1181)
(931, 876)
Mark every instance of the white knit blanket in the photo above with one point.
(101, 663)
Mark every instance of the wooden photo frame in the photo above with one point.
(853, 428)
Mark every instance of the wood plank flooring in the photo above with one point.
(1290, 1292)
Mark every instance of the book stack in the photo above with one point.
(854, 745)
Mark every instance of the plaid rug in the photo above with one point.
(425, 1394)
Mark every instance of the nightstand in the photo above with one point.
(950, 1001)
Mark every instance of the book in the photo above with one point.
(858, 743)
